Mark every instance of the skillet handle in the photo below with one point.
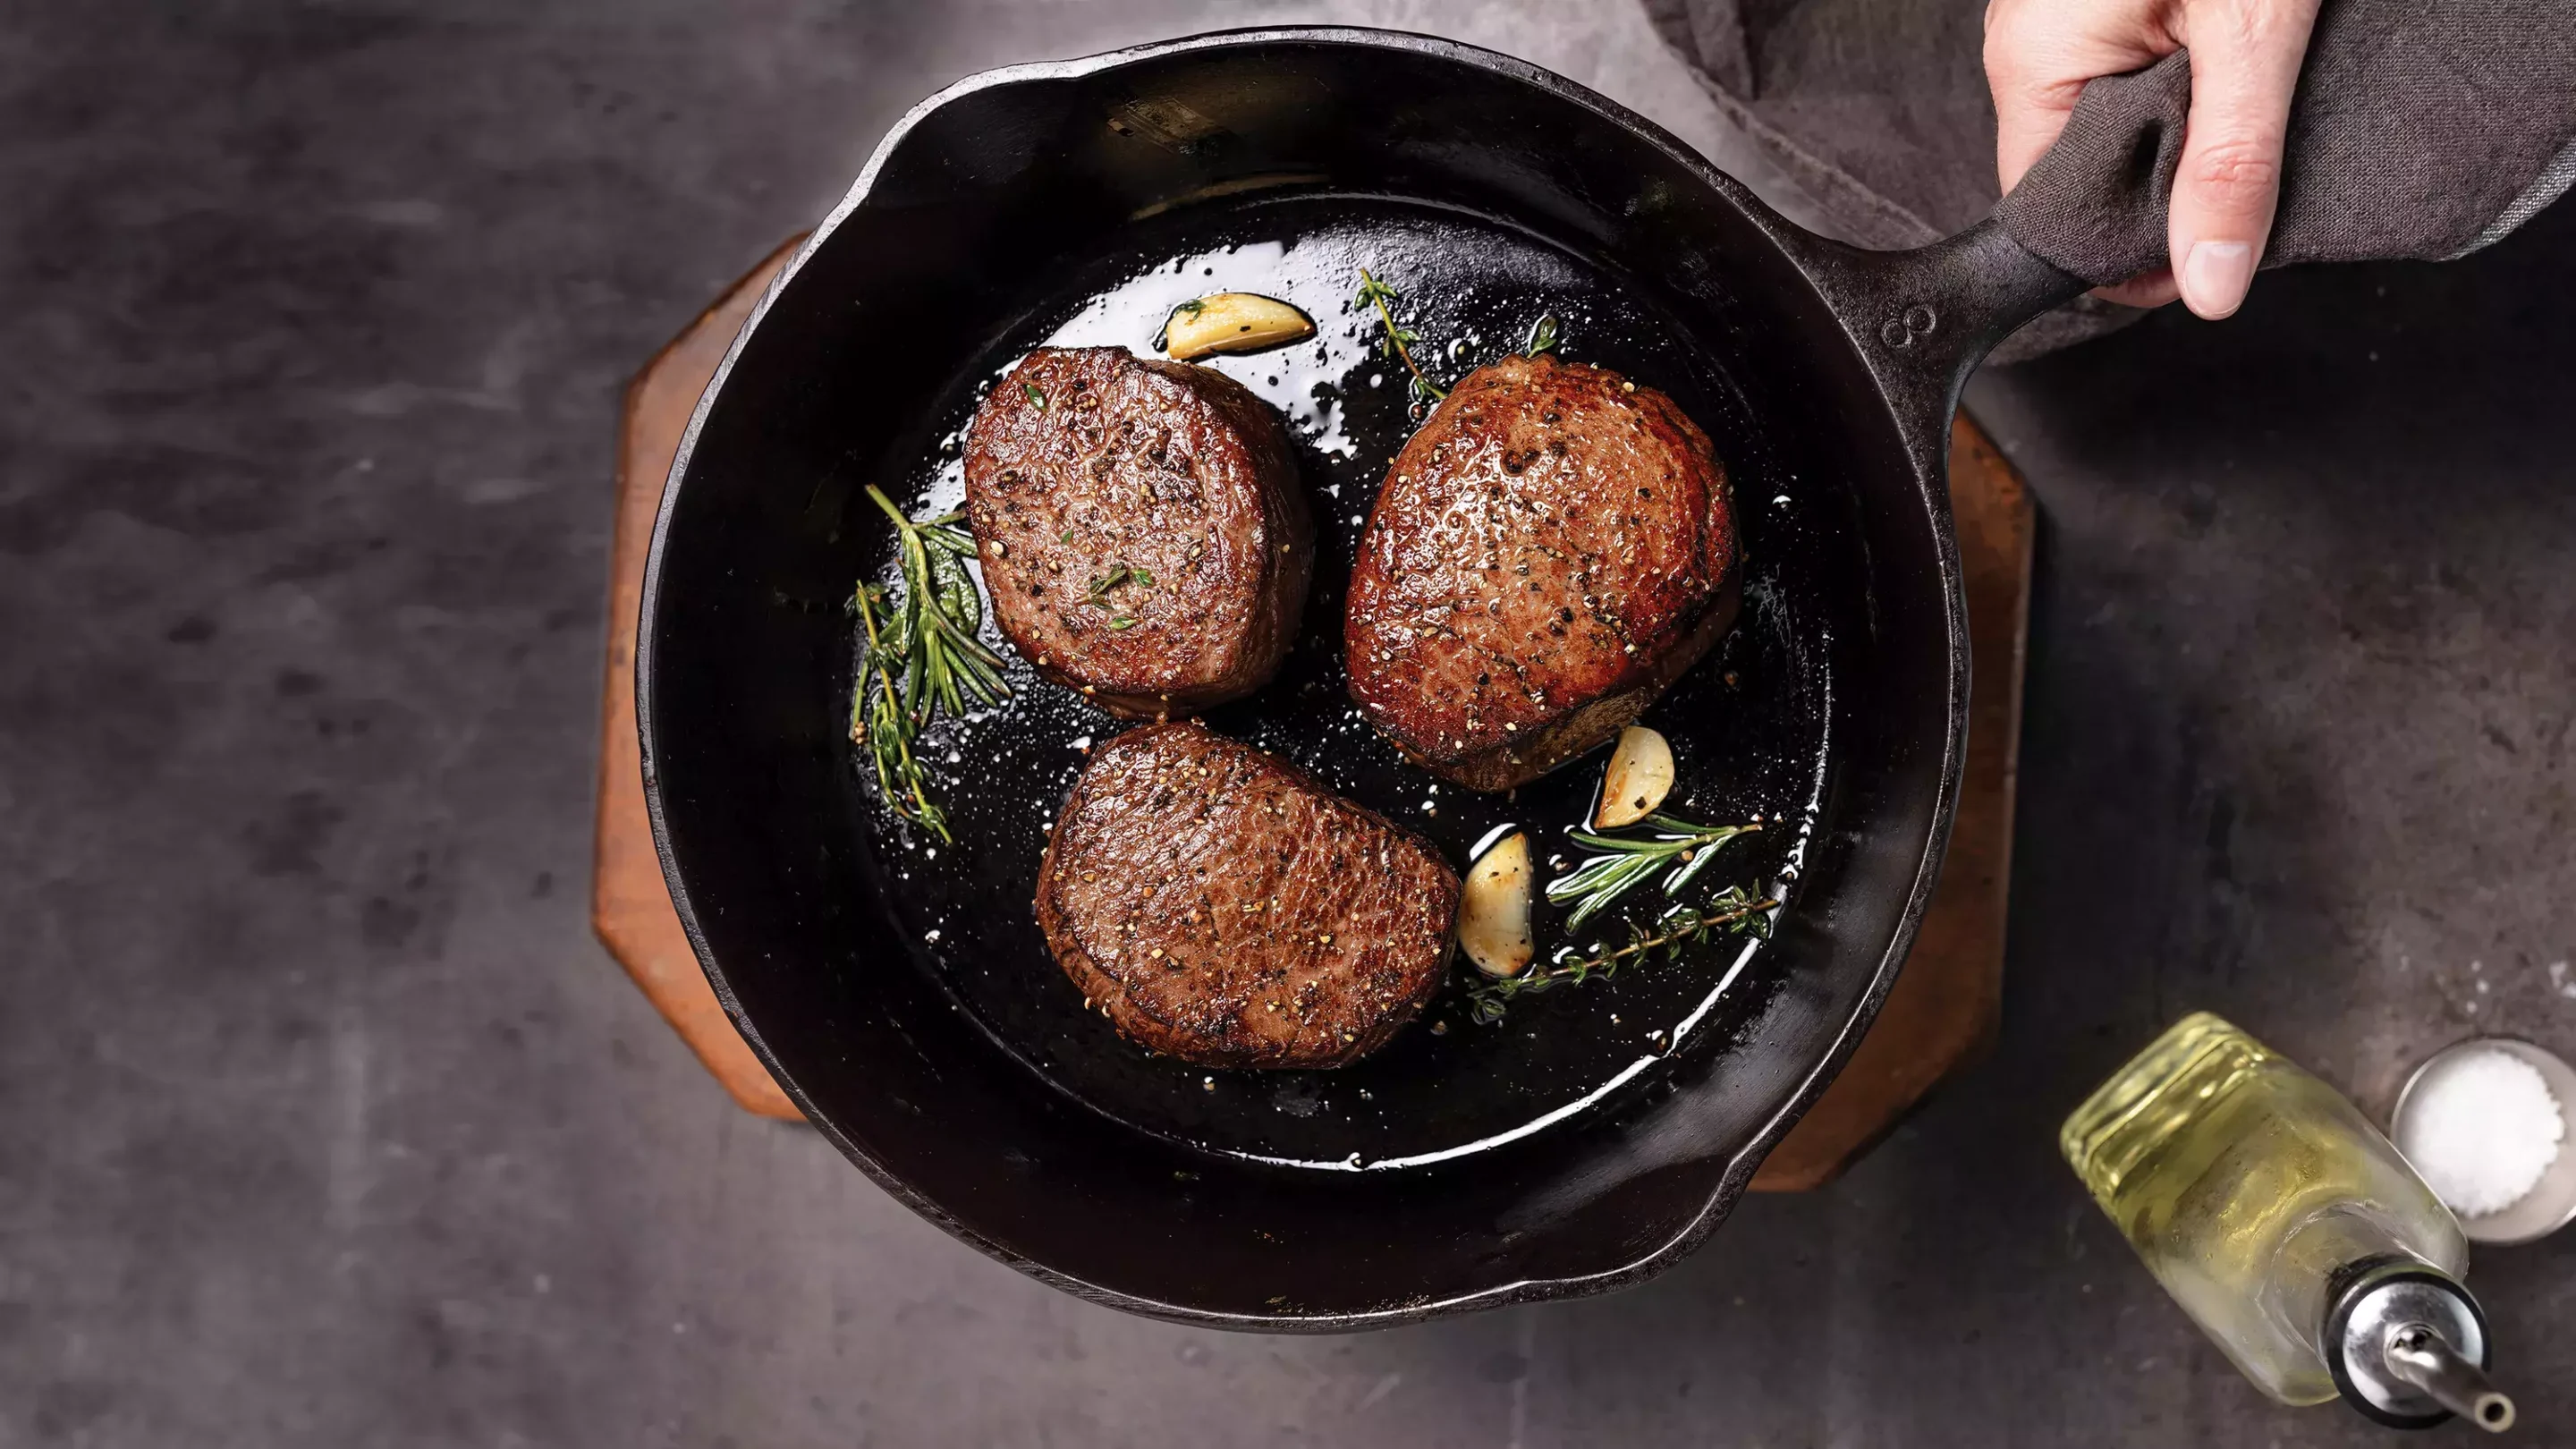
(1925, 318)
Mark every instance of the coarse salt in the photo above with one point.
(2481, 1128)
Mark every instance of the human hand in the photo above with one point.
(2245, 57)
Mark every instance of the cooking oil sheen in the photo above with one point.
(2249, 1186)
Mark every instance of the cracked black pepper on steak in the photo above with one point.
(1221, 907)
(1552, 548)
(1144, 534)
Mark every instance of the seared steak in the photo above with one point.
(1220, 906)
(1552, 548)
(1144, 534)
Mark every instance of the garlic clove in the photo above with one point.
(1232, 322)
(1639, 777)
(1494, 909)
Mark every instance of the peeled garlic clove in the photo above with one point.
(1232, 322)
(1639, 777)
(1494, 909)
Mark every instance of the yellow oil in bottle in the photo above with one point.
(2248, 1186)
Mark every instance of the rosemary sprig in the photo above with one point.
(1604, 878)
(1400, 339)
(1544, 335)
(1735, 912)
(922, 657)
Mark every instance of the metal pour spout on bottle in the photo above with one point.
(2288, 1228)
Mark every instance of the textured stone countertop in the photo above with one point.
(323, 1121)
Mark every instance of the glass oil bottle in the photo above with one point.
(2288, 1228)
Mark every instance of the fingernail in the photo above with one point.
(2215, 276)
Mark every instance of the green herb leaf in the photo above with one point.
(1400, 340)
(1122, 622)
(1163, 334)
(921, 656)
(1543, 336)
(1598, 883)
(1037, 399)
(1735, 912)
(1624, 862)
(1097, 595)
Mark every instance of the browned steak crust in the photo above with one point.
(1144, 534)
(1552, 548)
(1220, 906)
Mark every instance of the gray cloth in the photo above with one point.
(1878, 110)
(2423, 128)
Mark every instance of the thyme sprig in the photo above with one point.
(1626, 862)
(1400, 339)
(922, 656)
(1734, 912)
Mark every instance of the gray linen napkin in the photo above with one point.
(2422, 129)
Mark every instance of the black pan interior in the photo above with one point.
(1748, 727)
(960, 1070)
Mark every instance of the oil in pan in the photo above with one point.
(1748, 725)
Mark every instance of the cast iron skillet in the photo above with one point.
(900, 992)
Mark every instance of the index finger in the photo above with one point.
(2038, 56)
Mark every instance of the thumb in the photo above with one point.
(2245, 57)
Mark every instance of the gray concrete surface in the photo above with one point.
(324, 1122)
